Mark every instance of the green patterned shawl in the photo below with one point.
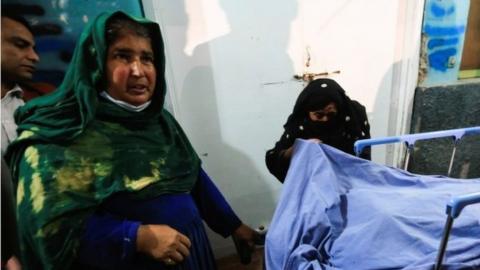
(75, 150)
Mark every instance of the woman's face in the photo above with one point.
(325, 114)
(131, 73)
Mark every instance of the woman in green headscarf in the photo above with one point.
(106, 177)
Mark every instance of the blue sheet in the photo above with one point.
(337, 211)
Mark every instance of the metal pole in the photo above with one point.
(452, 158)
(443, 243)
(407, 156)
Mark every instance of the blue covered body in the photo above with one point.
(337, 211)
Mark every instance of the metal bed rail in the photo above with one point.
(456, 204)
(411, 139)
(454, 207)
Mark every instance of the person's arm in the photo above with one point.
(163, 243)
(213, 207)
(278, 158)
(218, 214)
(9, 225)
(367, 151)
(107, 241)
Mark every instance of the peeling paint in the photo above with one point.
(443, 35)
(308, 77)
(309, 57)
(423, 65)
(442, 59)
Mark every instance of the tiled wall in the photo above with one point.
(447, 107)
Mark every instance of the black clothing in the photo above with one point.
(349, 125)
(9, 221)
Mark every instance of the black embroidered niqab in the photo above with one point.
(341, 131)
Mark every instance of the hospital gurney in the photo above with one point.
(341, 212)
(456, 204)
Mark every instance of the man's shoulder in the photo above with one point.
(16, 93)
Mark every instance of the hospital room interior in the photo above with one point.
(235, 71)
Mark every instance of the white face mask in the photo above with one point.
(126, 106)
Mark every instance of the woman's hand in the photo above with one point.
(314, 140)
(287, 153)
(163, 243)
(13, 264)
(247, 235)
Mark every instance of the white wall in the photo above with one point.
(230, 76)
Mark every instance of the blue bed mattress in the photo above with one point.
(337, 211)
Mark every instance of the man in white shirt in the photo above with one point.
(18, 64)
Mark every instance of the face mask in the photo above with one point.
(316, 129)
(126, 106)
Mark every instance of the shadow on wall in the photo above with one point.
(382, 117)
(396, 111)
(447, 107)
(199, 78)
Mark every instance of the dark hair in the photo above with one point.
(12, 15)
(120, 25)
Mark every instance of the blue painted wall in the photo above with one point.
(442, 101)
(443, 32)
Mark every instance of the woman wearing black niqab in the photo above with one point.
(322, 112)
